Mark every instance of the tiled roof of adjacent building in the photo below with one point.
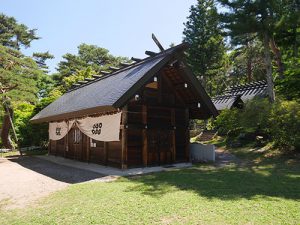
(244, 92)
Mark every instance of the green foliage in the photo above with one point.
(243, 17)
(289, 87)
(21, 73)
(15, 35)
(226, 121)
(278, 122)
(284, 125)
(247, 63)
(88, 56)
(40, 58)
(255, 116)
(30, 134)
(77, 76)
(207, 49)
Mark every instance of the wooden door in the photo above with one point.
(75, 145)
(165, 147)
(159, 147)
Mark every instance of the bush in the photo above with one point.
(29, 134)
(285, 125)
(227, 121)
(278, 122)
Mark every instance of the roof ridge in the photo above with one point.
(123, 68)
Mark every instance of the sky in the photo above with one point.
(122, 27)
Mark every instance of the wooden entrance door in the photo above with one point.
(75, 145)
(159, 147)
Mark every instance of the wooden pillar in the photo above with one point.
(88, 148)
(160, 88)
(66, 144)
(173, 135)
(187, 134)
(55, 147)
(49, 147)
(124, 138)
(145, 138)
(105, 152)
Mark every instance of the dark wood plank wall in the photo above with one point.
(105, 153)
(157, 125)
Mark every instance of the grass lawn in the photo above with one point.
(263, 192)
(28, 152)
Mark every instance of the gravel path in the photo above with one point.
(25, 179)
(224, 158)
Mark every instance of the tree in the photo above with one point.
(88, 56)
(20, 78)
(207, 48)
(15, 35)
(243, 19)
(247, 63)
(77, 76)
(40, 58)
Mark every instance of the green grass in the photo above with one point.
(263, 192)
(28, 152)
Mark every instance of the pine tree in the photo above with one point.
(92, 56)
(15, 35)
(21, 79)
(243, 19)
(207, 49)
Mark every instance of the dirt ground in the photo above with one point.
(25, 179)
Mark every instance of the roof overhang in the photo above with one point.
(77, 114)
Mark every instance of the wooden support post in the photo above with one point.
(187, 146)
(88, 149)
(55, 144)
(49, 147)
(173, 135)
(105, 153)
(160, 89)
(65, 144)
(124, 138)
(145, 138)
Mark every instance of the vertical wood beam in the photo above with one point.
(65, 144)
(124, 138)
(187, 146)
(49, 147)
(88, 147)
(160, 88)
(145, 137)
(55, 144)
(173, 137)
(105, 152)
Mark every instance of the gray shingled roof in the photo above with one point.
(244, 92)
(102, 92)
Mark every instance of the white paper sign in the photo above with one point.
(57, 130)
(102, 128)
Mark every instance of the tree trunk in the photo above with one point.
(278, 57)
(249, 63)
(6, 126)
(249, 69)
(268, 64)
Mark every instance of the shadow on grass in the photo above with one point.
(227, 183)
(55, 171)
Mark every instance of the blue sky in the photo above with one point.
(123, 27)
